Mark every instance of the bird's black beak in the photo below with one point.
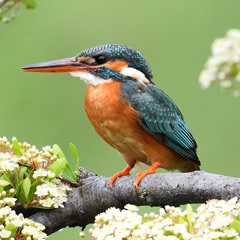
(57, 66)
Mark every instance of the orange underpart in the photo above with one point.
(141, 175)
(125, 172)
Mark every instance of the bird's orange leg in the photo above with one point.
(141, 175)
(119, 174)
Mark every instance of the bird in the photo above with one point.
(128, 110)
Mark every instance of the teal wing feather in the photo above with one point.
(161, 117)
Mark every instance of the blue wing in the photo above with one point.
(161, 117)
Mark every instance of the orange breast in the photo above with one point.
(114, 120)
(118, 124)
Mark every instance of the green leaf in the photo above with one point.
(65, 166)
(16, 147)
(190, 212)
(75, 154)
(18, 191)
(26, 187)
(8, 178)
(32, 190)
(30, 4)
(23, 153)
(70, 175)
(58, 151)
(58, 166)
(22, 173)
(3, 178)
(13, 229)
(15, 177)
(189, 216)
(236, 226)
(181, 220)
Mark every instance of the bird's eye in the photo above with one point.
(101, 59)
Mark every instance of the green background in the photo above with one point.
(175, 38)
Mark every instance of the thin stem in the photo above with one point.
(9, 8)
(2, 2)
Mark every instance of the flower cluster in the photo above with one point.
(31, 175)
(214, 220)
(13, 226)
(52, 194)
(223, 67)
(31, 178)
(11, 158)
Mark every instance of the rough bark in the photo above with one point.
(94, 196)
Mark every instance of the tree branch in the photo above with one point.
(94, 196)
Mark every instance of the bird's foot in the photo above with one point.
(141, 175)
(125, 172)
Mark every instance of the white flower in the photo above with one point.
(230, 232)
(223, 67)
(56, 192)
(167, 222)
(9, 201)
(131, 208)
(40, 173)
(47, 202)
(5, 233)
(179, 228)
(42, 190)
(5, 211)
(216, 235)
(212, 221)
(234, 34)
(58, 201)
(187, 236)
(8, 165)
(17, 222)
(226, 84)
(29, 230)
(50, 174)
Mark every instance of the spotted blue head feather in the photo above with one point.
(120, 52)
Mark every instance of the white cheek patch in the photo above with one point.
(135, 74)
(89, 78)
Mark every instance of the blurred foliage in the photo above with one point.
(223, 67)
(10, 8)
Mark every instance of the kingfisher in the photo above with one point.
(128, 110)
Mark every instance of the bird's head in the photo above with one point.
(101, 64)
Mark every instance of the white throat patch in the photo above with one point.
(89, 78)
(135, 74)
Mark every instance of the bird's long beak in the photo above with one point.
(57, 66)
